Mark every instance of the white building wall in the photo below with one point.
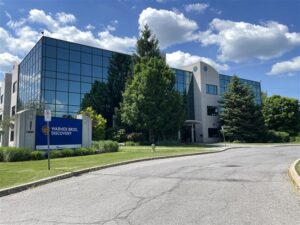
(14, 95)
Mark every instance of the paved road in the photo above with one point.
(236, 187)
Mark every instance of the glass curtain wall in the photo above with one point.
(254, 85)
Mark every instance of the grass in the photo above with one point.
(298, 167)
(16, 173)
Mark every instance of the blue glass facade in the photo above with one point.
(57, 74)
(185, 86)
(254, 85)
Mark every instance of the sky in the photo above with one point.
(254, 39)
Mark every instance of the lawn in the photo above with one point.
(298, 167)
(15, 173)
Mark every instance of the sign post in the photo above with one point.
(47, 115)
(223, 131)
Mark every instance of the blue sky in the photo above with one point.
(255, 39)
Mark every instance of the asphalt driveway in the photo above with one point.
(236, 187)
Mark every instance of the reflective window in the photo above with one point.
(50, 74)
(211, 89)
(74, 77)
(97, 71)
(97, 60)
(86, 58)
(50, 84)
(212, 111)
(50, 64)
(97, 51)
(51, 51)
(106, 61)
(86, 70)
(85, 87)
(61, 98)
(50, 97)
(74, 46)
(75, 56)
(63, 76)
(63, 53)
(63, 44)
(74, 99)
(74, 86)
(62, 66)
(74, 109)
(74, 68)
(62, 85)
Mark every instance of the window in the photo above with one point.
(211, 89)
(12, 134)
(14, 86)
(50, 64)
(1, 99)
(213, 132)
(1, 117)
(13, 110)
(212, 111)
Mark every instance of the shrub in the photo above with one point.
(120, 135)
(135, 137)
(131, 143)
(106, 146)
(278, 136)
(295, 138)
(169, 142)
(37, 155)
(56, 154)
(84, 151)
(12, 154)
(67, 152)
(1, 155)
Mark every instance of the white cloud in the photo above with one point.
(286, 67)
(65, 18)
(90, 27)
(240, 41)
(169, 27)
(14, 45)
(7, 60)
(196, 7)
(181, 59)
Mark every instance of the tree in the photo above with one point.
(98, 123)
(97, 98)
(120, 68)
(242, 119)
(150, 101)
(282, 114)
(147, 45)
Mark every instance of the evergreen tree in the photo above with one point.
(147, 45)
(150, 101)
(97, 98)
(242, 119)
(120, 68)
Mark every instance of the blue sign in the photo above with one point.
(64, 133)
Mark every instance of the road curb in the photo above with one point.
(23, 187)
(295, 178)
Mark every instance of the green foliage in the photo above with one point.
(120, 135)
(56, 154)
(97, 99)
(67, 152)
(147, 44)
(98, 123)
(278, 136)
(106, 146)
(120, 69)
(242, 119)
(12, 154)
(282, 114)
(37, 155)
(131, 143)
(150, 101)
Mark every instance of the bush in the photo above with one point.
(106, 146)
(278, 136)
(168, 142)
(120, 135)
(84, 151)
(131, 143)
(56, 154)
(37, 155)
(12, 154)
(67, 152)
(295, 138)
(1, 155)
(135, 137)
